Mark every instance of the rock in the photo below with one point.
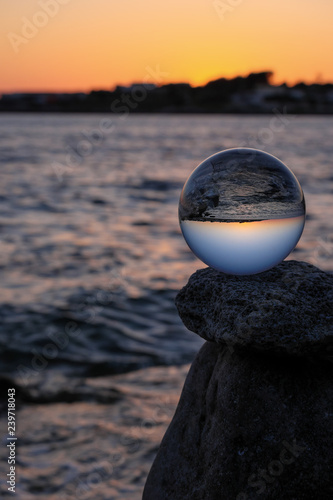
(286, 310)
(248, 427)
(254, 420)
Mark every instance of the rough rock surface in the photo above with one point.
(248, 427)
(286, 310)
(255, 418)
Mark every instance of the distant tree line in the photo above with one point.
(251, 94)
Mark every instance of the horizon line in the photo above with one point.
(128, 85)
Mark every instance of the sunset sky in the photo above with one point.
(79, 45)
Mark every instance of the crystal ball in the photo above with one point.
(242, 211)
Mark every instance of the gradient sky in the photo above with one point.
(93, 44)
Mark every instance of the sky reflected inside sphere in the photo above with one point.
(243, 247)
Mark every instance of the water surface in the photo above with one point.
(91, 259)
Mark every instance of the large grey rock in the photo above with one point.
(248, 427)
(286, 310)
(255, 416)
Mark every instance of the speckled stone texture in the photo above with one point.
(248, 427)
(286, 310)
(255, 418)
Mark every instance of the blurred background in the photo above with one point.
(106, 108)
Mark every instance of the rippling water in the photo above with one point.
(91, 251)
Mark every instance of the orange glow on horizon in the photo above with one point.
(77, 45)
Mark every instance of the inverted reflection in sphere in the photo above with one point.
(242, 211)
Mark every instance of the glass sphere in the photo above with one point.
(242, 211)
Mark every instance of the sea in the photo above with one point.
(91, 260)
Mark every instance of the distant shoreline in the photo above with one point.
(250, 95)
(162, 113)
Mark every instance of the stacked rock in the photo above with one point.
(255, 418)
